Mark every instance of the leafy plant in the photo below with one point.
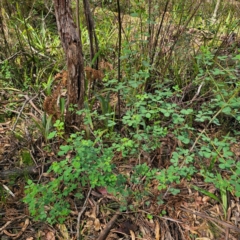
(89, 166)
(194, 93)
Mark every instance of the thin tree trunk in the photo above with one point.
(91, 33)
(72, 45)
(119, 58)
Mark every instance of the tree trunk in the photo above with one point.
(91, 33)
(72, 45)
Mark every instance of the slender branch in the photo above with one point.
(105, 232)
(81, 212)
(119, 55)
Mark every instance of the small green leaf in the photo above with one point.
(207, 193)
(148, 115)
(227, 110)
(52, 135)
(186, 111)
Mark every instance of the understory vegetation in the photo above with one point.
(167, 126)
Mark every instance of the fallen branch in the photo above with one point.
(107, 229)
(18, 172)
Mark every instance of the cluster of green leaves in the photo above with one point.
(89, 165)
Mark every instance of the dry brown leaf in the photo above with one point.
(50, 236)
(206, 199)
(92, 214)
(102, 190)
(64, 232)
(132, 235)
(189, 228)
(157, 230)
(97, 225)
(143, 231)
(112, 236)
(87, 226)
(40, 234)
(103, 65)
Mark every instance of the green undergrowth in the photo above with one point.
(149, 119)
(179, 100)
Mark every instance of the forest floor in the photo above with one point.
(195, 78)
(188, 215)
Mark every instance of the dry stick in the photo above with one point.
(197, 93)
(165, 218)
(19, 114)
(214, 16)
(11, 57)
(26, 223)
(202, 215)
(81, 212)
(153, 48)
(17, 235)
(33, 105)
(228, 219)
(149, 38)
(178, 35)
(107, 229)
(5, 225)
(119, 55)
(8, 190)
(24, 104)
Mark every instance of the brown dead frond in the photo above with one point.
(105, 66)
(93, 74)
(50, 104)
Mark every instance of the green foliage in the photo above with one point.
(59, 130)
(5, 72)
(194, 88)
(30, 49)
(26, 158)
(90, 166)
(90, 162)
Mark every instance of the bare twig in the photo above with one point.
(17, 235)
(21, 110)
(225, 224)
(11, 57)
(228, 219)
(197, 93)
(19, 114)
(32, 104)
(4, 226)
(107, 229)
(214, 16)
(8, 190)
(81, 212)
(119, 56)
